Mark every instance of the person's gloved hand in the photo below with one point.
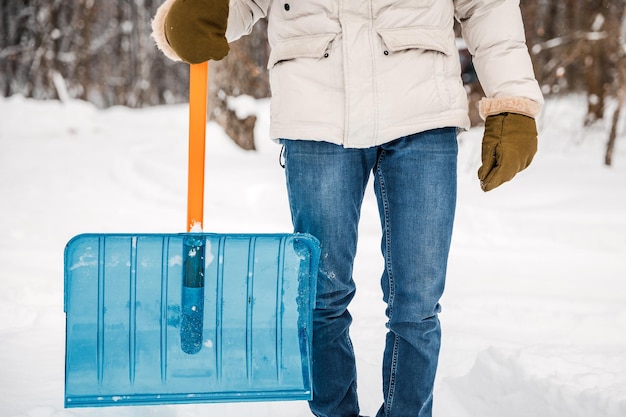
(509, 144)
(196, 29)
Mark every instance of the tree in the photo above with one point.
(616, 27)
(99, 51)
(578, 45)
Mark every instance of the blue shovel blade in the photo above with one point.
(188, 318)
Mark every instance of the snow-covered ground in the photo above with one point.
(534, 316)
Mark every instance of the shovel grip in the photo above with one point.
(198, 84)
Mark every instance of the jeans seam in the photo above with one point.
(383, 196)
(392, 376)
(387, 232)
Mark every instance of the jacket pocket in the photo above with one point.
(309, 46)
(426, 38)
(425, 58)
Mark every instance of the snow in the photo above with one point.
(535, 306)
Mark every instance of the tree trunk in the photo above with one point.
(243, 71)
(610, 146)
(616, 26)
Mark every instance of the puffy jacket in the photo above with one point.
(364, 72)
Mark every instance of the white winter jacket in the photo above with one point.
(364, 72)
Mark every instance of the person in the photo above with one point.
(366, 88)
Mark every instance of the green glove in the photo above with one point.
(509, 144)
(196, 29)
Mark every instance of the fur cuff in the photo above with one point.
(521, 105)
(158, 31)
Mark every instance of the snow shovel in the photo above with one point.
(192, 317)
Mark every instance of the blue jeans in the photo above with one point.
(415, 186)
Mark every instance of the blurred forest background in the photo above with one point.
(101, 52)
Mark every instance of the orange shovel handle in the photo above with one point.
(198, 84)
